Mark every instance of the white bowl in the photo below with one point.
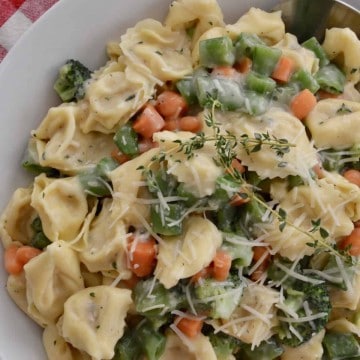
(71, 29)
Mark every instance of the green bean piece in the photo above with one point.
(226, 91)
(255, 103)
(331, 79)
(187, 90)
(284, 94)
(216, 52)
(305, 80)
(105, 166)
(265, 59)
(259, 83)
(151, 340)
(226, 187)
(126, 139)
(127, 347)
(166, 220)
(161, 181)
(189, 198)
(245, 44)
(313, 45)
(225, 217)
(94, 181)
(340, 345)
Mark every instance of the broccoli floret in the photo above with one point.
(70, 82)
(224, 345)
(154, 302)
(142, 340)
(267, 350)
(240, 254)
(318, 301)
(219, 300)
(340, 346)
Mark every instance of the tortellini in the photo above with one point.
(106, 243)
(113, 98)
(61, 143)
(94, 319)
(302, 57)
(203, 14)
(127, 188)
(15, 222)
(348, 299)
(259, 302)
(198, 173)
(61, 205)
(157, 51)
(184, 255)
(281, 124)
(333, 200)
(334, 123)
(342, 45)
(311, 350)
(51, 278)
(268, 26)
(16, 287)
(57, 348)
(193, 349)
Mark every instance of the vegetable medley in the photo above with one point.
(196, 197)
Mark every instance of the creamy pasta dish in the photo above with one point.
(197, 197)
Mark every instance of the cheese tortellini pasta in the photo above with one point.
(196, 197)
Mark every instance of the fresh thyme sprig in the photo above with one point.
(227, 143)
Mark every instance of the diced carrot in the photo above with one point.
(236, 164)
(319, 171)
(148, 122)
(119, 156)
(353, 176)
(191, 327)
(17, 256)
(171, 125)
(202, 274)
(190, 123)
(302, 103)
(142, 256)
(12, 265)
(322, 95)
(26, 253)
(244, 65)
(222, 265)
(352, 242)
(146, 144)
(170, 104)
(259, 252)
(284, 69)
(226, 71)
(237, 200)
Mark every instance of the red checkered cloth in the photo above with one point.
(16, 16)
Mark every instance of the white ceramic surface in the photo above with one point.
(71, 29)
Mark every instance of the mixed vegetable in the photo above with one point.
(247, 76)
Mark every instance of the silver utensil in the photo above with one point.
(307, 18)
